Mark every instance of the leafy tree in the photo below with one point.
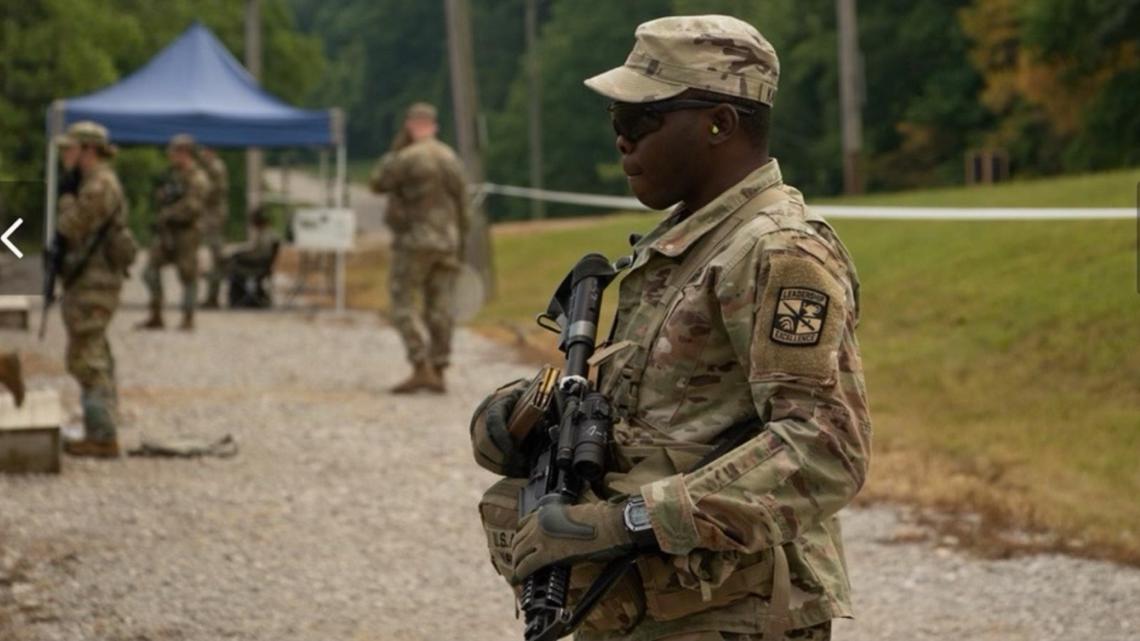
(58, 48)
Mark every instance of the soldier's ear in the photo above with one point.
(724, 121)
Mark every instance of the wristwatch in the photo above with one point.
(635, 516)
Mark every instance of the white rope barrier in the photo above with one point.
(884, 212)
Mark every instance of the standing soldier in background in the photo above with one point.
(98, 250)
(214, 221)
(427, 212)
(181, 202)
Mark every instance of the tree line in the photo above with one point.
(1055, 83)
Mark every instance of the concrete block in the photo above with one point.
(30, 434)
(15, 312)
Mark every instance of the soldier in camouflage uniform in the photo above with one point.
(177, 231)
(214, 221)
(740, 305)
(92, 226)
(427, 212)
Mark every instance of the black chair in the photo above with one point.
(254, 291)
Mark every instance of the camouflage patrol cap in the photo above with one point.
(88, 132)
(714, 53)
(92, 134)
(422, 110)
(181, 141)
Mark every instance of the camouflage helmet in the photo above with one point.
(714, 53)
(63, 140)
(88, 132)
(181, 141)
(421, 110)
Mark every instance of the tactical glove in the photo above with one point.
(561, 533)
(495, 448)
(69, 182)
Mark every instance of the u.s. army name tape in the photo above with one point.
(879, 212)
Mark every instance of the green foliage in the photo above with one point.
(925, 104)
(578, 141)
(53, 49)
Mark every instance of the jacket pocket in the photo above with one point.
(678, 586)
(499, 511)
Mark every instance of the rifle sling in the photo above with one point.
(70, 278)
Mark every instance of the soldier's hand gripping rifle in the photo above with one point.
(569, 449)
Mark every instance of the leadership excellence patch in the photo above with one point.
(799, 317)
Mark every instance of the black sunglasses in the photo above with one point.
(636, 120)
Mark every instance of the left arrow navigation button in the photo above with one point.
(7, 243)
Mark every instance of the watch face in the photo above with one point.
(637, 516)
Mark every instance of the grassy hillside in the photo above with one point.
(1003, 358)
(1105, 189)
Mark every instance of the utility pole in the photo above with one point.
(850, 95)
(465, 104)
(253, 156)
(534, 75)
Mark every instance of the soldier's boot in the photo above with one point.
(423, 378)
(154, 321)
(100, 439)
(12, 376)
(213, 288)
(439, 387)
(187, 320)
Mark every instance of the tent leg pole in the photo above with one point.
(324, 177)
(52, 171)
(340, 282)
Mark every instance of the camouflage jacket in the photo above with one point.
(764, 328)
(427, 196)
(100, 199)
(187, 212)
(217, 199)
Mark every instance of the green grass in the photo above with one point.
(1105, 189)
(1008, 346)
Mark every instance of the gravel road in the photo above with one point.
(350, 514)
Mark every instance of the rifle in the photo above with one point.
(53, 266)
(568, 451)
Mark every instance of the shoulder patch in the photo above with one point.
(799, 323)
(799, 317)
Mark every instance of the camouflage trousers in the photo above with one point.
(178, 248)
(214, 242)
(86, 316)
(821, 632)
(430, 276)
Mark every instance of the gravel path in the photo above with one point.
(350, 514)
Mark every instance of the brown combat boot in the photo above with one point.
(439, 387)
(154, 321)
(92, 449)
(12, 377)
(187, 321)
(422, 378)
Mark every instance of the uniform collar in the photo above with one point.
(676, 237)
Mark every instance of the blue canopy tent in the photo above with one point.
(195, 86)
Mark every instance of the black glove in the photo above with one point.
(69, 182)
(495, 448)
